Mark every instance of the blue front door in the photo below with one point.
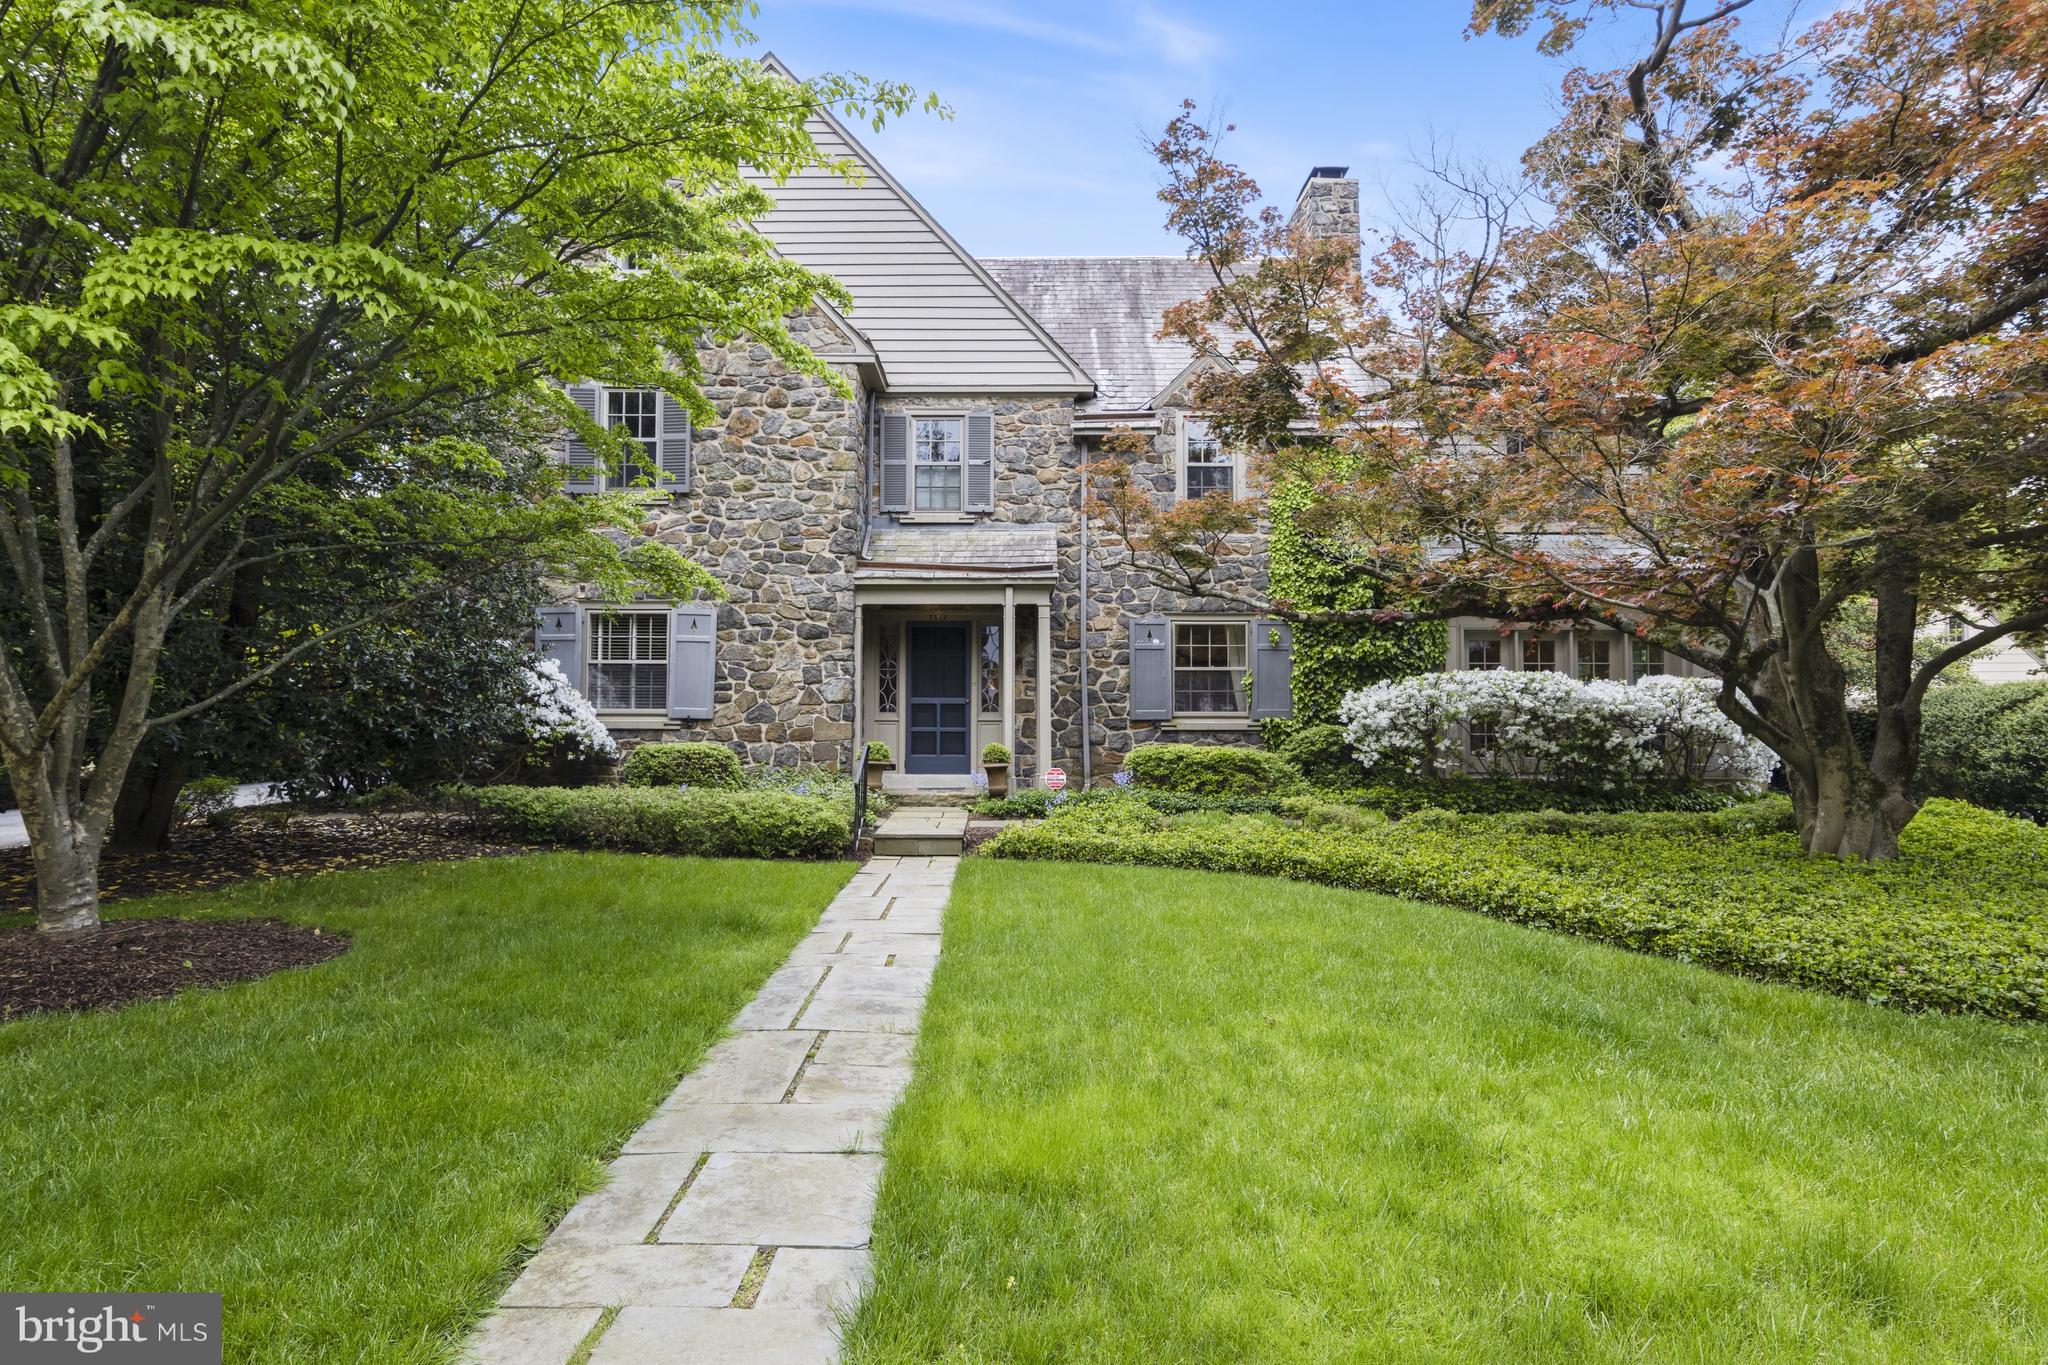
(940, 699)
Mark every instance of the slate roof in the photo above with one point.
(995, 548)
(1104, 310)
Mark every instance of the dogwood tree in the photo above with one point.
(1756, 336)
(248, 251)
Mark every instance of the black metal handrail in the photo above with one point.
(860, 798)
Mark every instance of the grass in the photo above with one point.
(1182, 1116)
(355, 1154)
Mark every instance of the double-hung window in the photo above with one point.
(628, 666)
(1208, 668)
(1206, 466)
(935, 464)
(633, 415)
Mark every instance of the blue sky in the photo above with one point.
(1052, 100)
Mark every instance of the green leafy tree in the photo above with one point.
(260, 265)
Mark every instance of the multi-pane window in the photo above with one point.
(1539, 655)
(633, 414)
(1481, 654)
(1648, 660)
(1208, 667)
(1596, 659)
(935, 464)
(629, 660)
(1209, 467)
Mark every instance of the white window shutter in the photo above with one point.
(583, 469)
(1151, 668)
(980, 458)
(1272, 670)
(674, 440)
(692, 662)
(558, 635)
(895, 462)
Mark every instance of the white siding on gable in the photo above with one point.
(937, 322)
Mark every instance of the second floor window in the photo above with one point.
(629, 660)
(633, 414)
(1209, 468)
(935, 464)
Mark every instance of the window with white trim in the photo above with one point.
(635, 415)
(1209, 661)
(628, 665)
(1206, 467)
(935, 464)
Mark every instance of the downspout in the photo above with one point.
(1087, 615)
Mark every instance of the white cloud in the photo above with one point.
(1180, 42)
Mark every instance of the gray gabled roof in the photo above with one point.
(1105, 311)
(938, 323)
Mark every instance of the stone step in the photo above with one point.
(921, 832)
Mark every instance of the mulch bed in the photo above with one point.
(147, 959)
(256, 845)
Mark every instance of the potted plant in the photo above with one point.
(995, 761)
(879, 762)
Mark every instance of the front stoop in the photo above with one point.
(921, 832)
(734, 1228)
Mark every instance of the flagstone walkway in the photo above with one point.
(735, 1225)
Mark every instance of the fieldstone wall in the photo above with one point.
(774, 511)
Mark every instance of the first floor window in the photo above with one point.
(1480, 736)
(1208, 667)
(1539, 655)
(887, 674)
(1648, 661)
(1209, 468)
(1481, 654)
(991, 670)
(1596, 659)
(629, 660)
(633, 414)
(935, 464)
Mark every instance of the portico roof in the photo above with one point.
(959, 552)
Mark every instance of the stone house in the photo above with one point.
(913, 565)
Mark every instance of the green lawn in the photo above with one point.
(355, 1153)
(1180, 1116)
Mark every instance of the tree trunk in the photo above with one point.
(148, 806)
(67, 862)
(1846, 811)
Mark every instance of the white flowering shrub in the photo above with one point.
(1550, 728)
(558, 719)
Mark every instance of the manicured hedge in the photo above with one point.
(1035, 802)
(1212, 770)
(672, 765)
(1495, 796)
(1958, 922)
(708, 823)
(1988, 745)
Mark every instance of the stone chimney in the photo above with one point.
(1328, 206)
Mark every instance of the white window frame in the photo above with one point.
(650, 463)
(1226, 459)
(597, 620)
(959, 467)
(1173, 667)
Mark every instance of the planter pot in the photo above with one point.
(998, 778)
(875, 771)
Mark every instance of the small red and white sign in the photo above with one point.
(1056, 778)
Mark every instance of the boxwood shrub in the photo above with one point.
(1212, 770)
(673, 765)
(702, 821)
(1958, 922)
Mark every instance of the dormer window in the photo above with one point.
(1206, 467)
(935, 458)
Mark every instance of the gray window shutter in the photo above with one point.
(581, 460)
(674, 439)
(692, 652)
(1272, 670)
(980, 456)
(895, 462)
(1151, 669)
(558, 635)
